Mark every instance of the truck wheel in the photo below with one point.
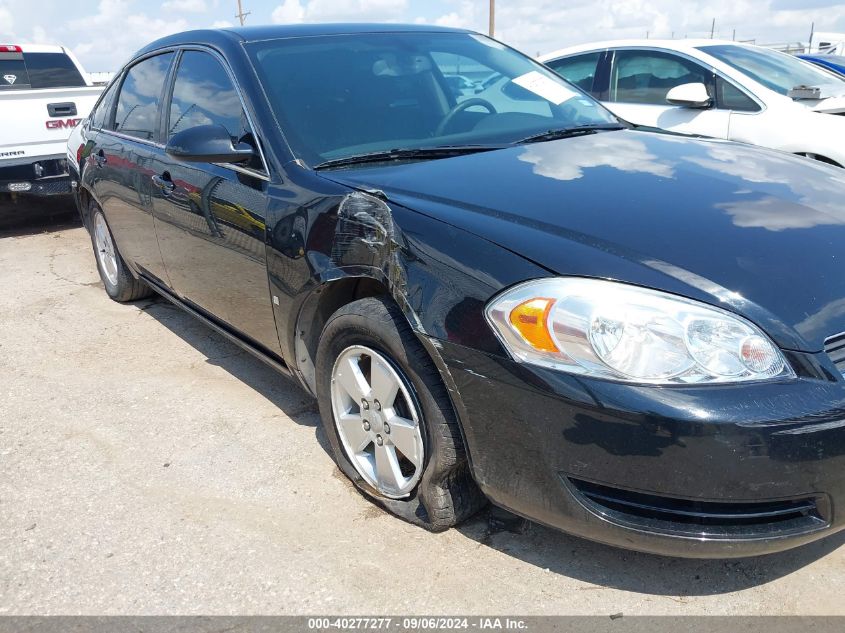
(119, 283)
(389, 419)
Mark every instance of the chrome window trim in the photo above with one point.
(128, 137)
(244, 170)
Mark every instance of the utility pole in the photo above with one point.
(241, 15)
(713, 29)
(492, 18)
(812, 35)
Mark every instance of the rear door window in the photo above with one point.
(578, 69)
(101, 118)
(140, 97)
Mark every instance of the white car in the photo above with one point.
(714, 88)
(44, 94)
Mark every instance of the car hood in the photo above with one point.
(755, 231)
(831, 105)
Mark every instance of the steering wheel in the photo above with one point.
(463, 105)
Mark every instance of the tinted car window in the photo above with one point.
(52, 70)
(100, 117)
(343, 95)
(13, 75)
(140, 96)
(579, 69)
(203, 94)
(729, 97)
(646, 76)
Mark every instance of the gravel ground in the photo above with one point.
(147, 466)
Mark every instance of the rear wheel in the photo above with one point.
(119, 283)
(389, 419)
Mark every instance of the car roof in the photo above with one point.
(281, 31)
(269, 31)
(685, 45)
(41, 48)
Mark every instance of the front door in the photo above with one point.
(210, 218)
(640, 81)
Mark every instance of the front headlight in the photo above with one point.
(621, 332)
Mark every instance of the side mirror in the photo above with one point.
(690, 96)
(207, 144)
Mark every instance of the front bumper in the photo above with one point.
(709, 471)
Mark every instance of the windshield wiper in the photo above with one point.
(420, 153)
(568, 132)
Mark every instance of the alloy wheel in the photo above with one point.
(377, 420)
(106, 254)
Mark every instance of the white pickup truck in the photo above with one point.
(44, 94)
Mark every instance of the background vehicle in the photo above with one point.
(827, 43)
(835, 63)
(517, 302)
(44, 94)
(720, 89)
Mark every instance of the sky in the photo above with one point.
(104, 33)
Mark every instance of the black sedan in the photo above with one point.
(507, 295)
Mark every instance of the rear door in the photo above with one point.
(581, 70)
(122, 159)
(639, 82)
(210, 218)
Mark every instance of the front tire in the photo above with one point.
(388, 417)
(119, 283)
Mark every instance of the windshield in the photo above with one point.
(777, 71)
(347, 95)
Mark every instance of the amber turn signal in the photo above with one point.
(529, 319)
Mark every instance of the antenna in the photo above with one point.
(240, 14)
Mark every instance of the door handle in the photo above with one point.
(164, 183)
(61, 109)
(100, 158)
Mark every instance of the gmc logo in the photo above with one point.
(66, 123)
